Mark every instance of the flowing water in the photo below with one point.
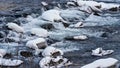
(102, 31)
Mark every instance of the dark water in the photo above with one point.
(105, 33)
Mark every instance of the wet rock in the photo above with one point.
(104, 35)
(26, 54)
(9, 19)
(113, 9)
(48, 26)
(8, 56)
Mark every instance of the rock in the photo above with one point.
(39, 32)
(101, 52)
(2, 53)
(52, 52)
(102, 63)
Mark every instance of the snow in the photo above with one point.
(101, 52)
(10, 62)
(2, 53)
(48, 51)
(39, 32)
(80, 37)
(15, 27)
(102, 63)
(51, 15)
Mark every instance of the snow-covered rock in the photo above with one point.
(52, 51)
(101, 52)
(10, 62)
(39, 32)
(80, 37)
(102, 63)
(58, 62)
(37, 44)
(52, 15)
(15, 27)
(2, 52)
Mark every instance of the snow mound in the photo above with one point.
(102, 63)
